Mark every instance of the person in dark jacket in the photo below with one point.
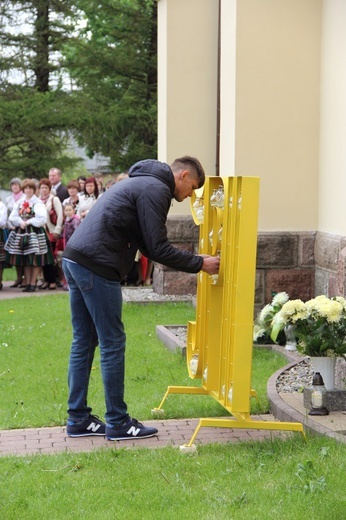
(130, 216)
(58, 189)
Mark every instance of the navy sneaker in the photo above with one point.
(92, 426)
(131, 429)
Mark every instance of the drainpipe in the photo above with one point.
(218, 87)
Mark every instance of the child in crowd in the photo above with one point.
(71, 223)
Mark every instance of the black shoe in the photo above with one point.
(17, 283)
(29, 288)
(92, 426)
(131, 429)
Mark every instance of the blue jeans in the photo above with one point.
(96, 308)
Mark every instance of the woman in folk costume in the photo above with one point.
(28, 244)
(55, 218)
(16, 196)
(3, 221)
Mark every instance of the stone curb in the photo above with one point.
(284, 412)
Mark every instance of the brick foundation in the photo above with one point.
(303, 264)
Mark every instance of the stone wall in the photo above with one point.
(330, 264)
(285, 262)
(304, 264)
(183, 234)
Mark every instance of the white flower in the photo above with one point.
(258, 332)
(279, 319)
(280, 298)
(265, 312)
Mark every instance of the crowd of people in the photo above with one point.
(36, 221)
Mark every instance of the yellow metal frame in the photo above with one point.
(219, 342)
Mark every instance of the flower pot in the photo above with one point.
(326, 367)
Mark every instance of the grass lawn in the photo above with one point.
(290, 479)
(34, 349)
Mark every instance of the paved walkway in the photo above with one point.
(285, 407)
(170, 433)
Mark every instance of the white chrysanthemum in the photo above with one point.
(280, 298)
(331, 310)
(321, 297)
(314, 304)
(342, 301)
(300, 315)
(279, 320)
(267, 309)
(293, 307)
(258, 332)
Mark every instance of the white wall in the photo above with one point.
(187, 63)
(332, 193)
(277, 108)
(270, 100)
(228, 87)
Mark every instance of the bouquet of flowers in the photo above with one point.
(26, 210)
(320, 325)
(263, 322)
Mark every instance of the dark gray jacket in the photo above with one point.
(130, 215)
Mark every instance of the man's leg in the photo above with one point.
(96, 306)
(82, 349)
(103, 301)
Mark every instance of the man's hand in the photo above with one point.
(211, 264)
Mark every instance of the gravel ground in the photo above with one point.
(297, 378)
(147, 294)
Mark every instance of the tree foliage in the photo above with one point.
(81, 68)
(35, 110)
(113, 63)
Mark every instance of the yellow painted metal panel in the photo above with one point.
(219, 342)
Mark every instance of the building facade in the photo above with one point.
(258, 88)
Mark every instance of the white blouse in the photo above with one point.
(85, 204)
(40, 218)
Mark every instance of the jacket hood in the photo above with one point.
(157, 169)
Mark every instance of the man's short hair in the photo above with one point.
(192, 164)
(56, 170)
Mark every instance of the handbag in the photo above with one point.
(53, 217)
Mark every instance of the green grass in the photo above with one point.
(287, 479)
(291, 480)
(9, 274)
(34, 350)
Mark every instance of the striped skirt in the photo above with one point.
(29, 247)
(2, 244)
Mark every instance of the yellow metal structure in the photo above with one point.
(219, 342)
